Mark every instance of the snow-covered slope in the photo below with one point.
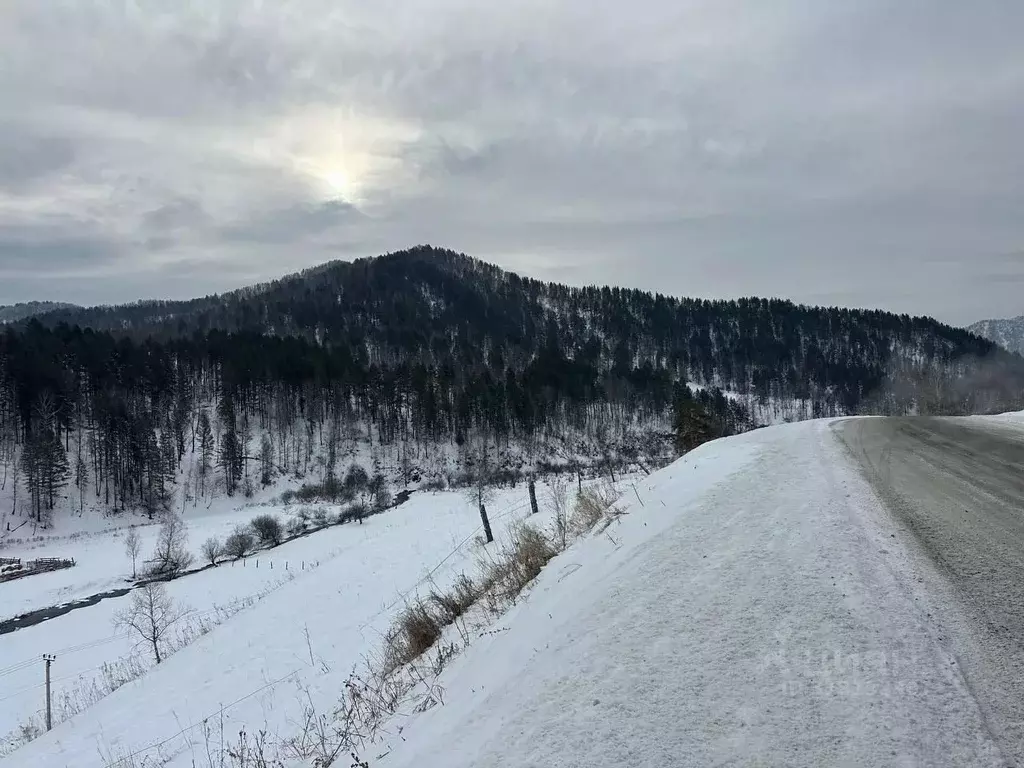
(754, 611)
(1007, 333)
(308, 633)
(753, 607)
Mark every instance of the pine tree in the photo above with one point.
(206, 452)
(266, 461)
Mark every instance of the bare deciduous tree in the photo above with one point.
(558, 500)
(132, 547)
(171, 556)
(212, 549)
(150, 615)
(240, 543)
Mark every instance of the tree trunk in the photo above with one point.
(533, 498)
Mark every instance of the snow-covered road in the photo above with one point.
(754, 611)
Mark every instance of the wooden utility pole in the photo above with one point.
(49, 659)
(487, 524)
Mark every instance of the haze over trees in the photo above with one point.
(423, 349)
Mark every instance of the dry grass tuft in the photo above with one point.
(595, 508)
(454, 604)
(413, 633)
(517, 564)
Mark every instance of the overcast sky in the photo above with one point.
(860, 153)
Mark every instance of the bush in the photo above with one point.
(354, 512)
(296, 526)
(383, 499)
(267, 529)
(320, 516)
(240, 543)
(558, 500)
(519, 563)
(454, 604)
(212, 549)
(414, 631)
(593, 505)
(307, 492)
(287, 497)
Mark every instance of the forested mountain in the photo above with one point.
(1007, 333)
(426, 351)
(12, 313)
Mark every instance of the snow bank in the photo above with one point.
(748, 611)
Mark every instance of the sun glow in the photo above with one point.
(338, 184)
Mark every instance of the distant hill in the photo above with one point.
(444, 311)
(12, 313)
(1007, 333)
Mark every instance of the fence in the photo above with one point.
(12, 568)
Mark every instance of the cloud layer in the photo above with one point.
(855, 153)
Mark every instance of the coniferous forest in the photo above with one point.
(428, 350)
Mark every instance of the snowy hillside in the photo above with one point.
(1007, 333)
(751, 606)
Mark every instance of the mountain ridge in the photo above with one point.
(12, 313)
(1006, 332)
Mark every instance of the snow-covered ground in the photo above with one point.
(754, 611)
(753, 607)
(334, 584)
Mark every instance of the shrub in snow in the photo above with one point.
(356, 480)
(212, 549)
(594, 505)
(453, 604)
(296, 526)
(267, 529)
(240, 543)
(517, 564)
(320, 516)
(558, 500)
(415, 629)
(307, 492)
(382, 499)
(353, 512)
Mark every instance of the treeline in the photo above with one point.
(436, 307)
(84, 408)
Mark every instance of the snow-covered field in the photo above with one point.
(334, 584)
(753, 607)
